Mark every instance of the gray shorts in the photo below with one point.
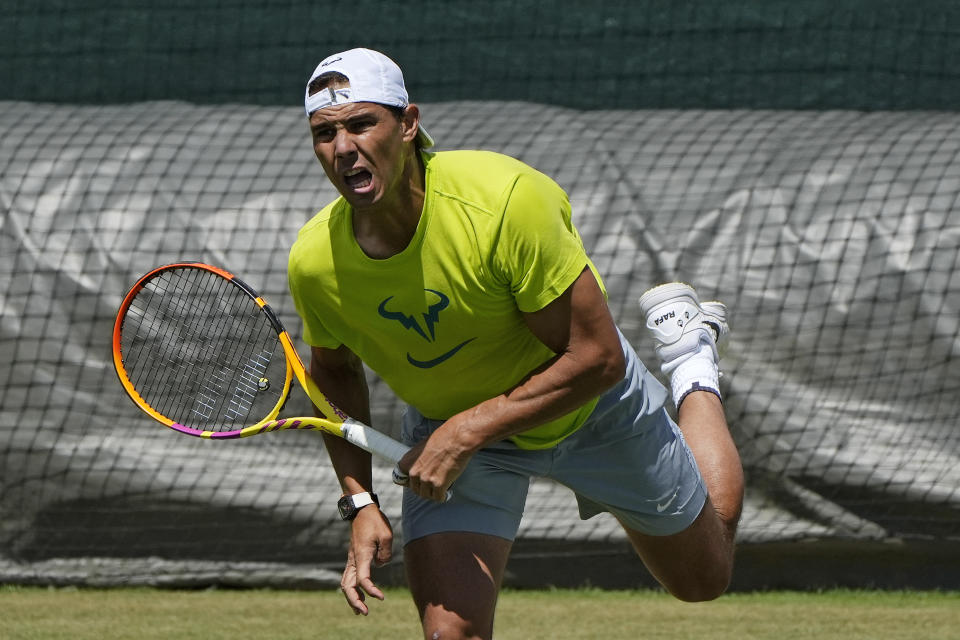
(628, 459)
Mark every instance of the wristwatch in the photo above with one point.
(349, 506)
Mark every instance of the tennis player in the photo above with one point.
(459, 278)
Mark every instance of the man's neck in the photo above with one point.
(386, 228)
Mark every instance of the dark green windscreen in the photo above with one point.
(774, 54)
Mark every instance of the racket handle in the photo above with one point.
(402, 479)
(371, 440)
(399, 477)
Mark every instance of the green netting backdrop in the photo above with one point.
(777, 54)
(798, 160)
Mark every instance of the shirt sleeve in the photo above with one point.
(538, 252)
(315, 334)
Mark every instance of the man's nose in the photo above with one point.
(343, 142)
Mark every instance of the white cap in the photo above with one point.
(373, 78)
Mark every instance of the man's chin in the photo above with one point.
(361, 199)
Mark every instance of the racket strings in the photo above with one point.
(201, 352)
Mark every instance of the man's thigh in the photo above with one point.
(636, 467)
(695, 564)
(487, 498)
(455, 578)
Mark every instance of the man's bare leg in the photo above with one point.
(704, 427)
(687, 334)
(455, 580)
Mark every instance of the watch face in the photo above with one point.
(345, 505)
(348, 506)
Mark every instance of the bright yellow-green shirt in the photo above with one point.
(441, 322)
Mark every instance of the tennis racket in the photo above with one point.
(200, 351)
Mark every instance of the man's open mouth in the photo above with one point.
(357, 178)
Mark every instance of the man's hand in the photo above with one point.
(433, 465)
(371, 544)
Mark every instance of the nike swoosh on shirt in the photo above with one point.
(429, 364)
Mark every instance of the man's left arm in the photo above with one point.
(578, 327)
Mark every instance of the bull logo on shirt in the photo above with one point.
(427, 330)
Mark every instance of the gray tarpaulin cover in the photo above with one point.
(832, 236)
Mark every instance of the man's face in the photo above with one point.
(361, 146)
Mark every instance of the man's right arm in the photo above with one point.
(339, 373)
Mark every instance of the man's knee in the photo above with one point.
(708, 585)
(453, 627)
(694, 565)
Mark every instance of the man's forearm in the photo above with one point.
(350, 463)
(562, 385)
(578, 327)
(345, 384)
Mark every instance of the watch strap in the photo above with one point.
(350, 505)
(361, 500)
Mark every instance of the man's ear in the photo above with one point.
(410, 122)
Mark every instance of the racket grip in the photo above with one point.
(373, 441)
(402, 479)
(399, 477)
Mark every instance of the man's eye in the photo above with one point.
(323, 134)
(359, 126)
